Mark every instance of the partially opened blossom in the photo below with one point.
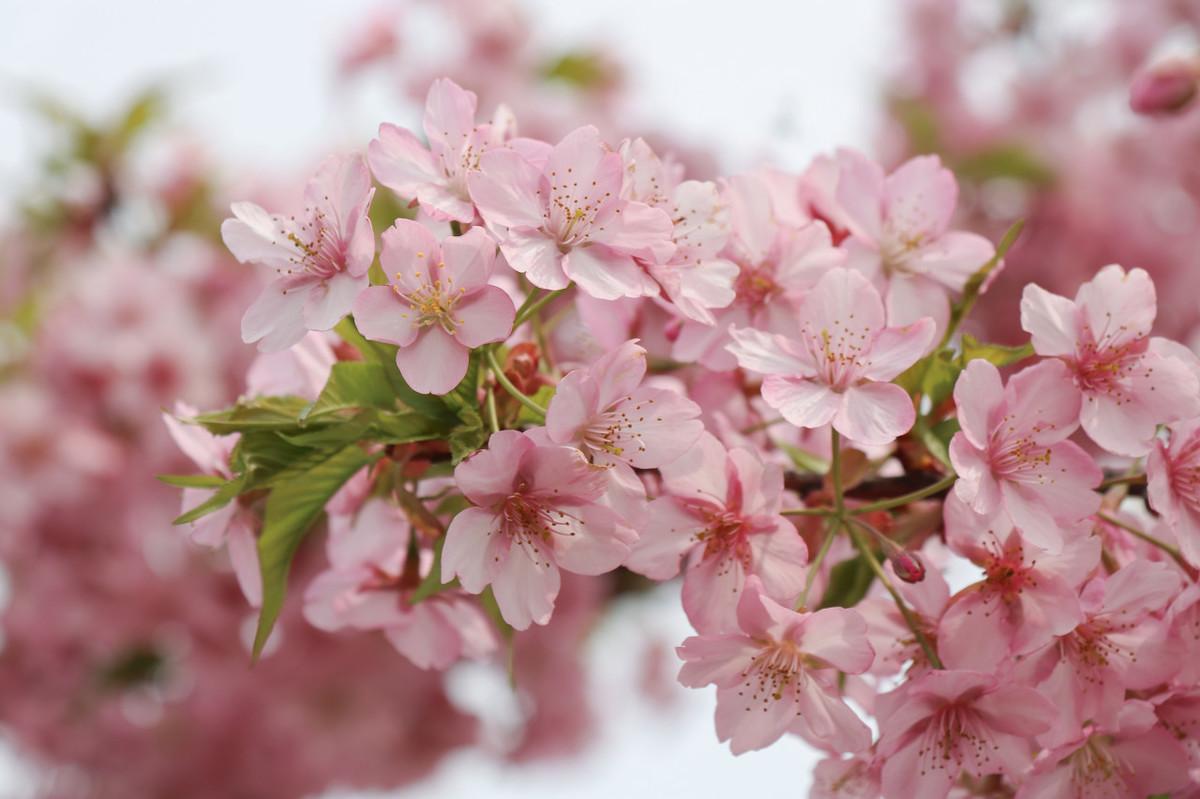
(371, 577)
(321, 256)
(900, 236)
(695, 279)
(946, 723)
(1132, 757)
(777, 259)
(1131, 382)
(1167, 87)
(836, 370)
(721, 509)
(436, 175)
(608, 413)
(1118, 645)
(564, 219)
(536, 511)
(779, 673)
(1173, 483)
(1027, 596)
(438, 304)
(1012, 454)
(233, 526)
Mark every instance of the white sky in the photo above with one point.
(259, 91)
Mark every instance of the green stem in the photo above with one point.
(808, 512)
(493, 421)
(756, 428)
(455, 227)
(835, 473)
(1125, 479)
(909, 619)
(895, 502)
(507, 385)
(1174, 553)
(534, 303)
(814, 565)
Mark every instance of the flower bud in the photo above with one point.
(907, 565)
(1164, 88)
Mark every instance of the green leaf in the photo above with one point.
(1004, 160)
(996, 354)
(265, 413)
(406, 427)
(937, 438)
(385, 355)
(353, 384)
(192, 480)
(292, 507)
(542, 397)
(470, 433)
(849, 582)
(941, 372)
(432, 583)
(583, 70)
(805, 461)
(220, 498)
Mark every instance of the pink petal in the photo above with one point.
(910, 298)
(919, 198)
(711, 588)
(243, 555)
(715, 659)
(573, 405)
(860, 190)
(380, 315)
(750, 726)
(769, 354)
(976, 486)
(1116, 297)
(465, 553)
(844, 301)
(607, 274)
(255, 236)
(525, 587)
(537, 257)
(276, 319)
(952, 258)
(434, 363)
(1050, 320)
(638, 230)
(977, 395)
(401, 162)
(409, 255)
(874, 414)
(665, 538)
(449, 116)
(839, 637)
(1044, 401)
(829, 720)
(804, 403)
(591, 540)
(487, 476)
(778, 559)
(469, 259)
(328, 302)
(487, 315)
(505, 189)
(897, 348)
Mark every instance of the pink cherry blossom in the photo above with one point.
(321, 256)
(777, 263)
(233, 526)
(536, 512)
(890, 636)
(564, 220)
(1134, 757)
(1119, 645)
(695, 279)
(1131, 382)
(900, 235)
(837, 370)
(1012, 454)
(370, 577)
(944, 723)
(721, 508)
(438, 304)
(299, 371)
(608, 413)
(436, 176)
(1026, 598)
(1173, 483)
(779, 673)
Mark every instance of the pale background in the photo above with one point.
(751, 79)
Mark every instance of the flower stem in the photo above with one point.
(835, 473)
(1124, 479)
(534, 303)
(901, 605)
(493, 421)
(507, 385)
(1173, 552)
(455, 227)
(895, 502)
(814, 565)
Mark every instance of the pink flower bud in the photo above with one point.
(1165, 88)
(907, 565)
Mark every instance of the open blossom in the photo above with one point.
(1173, 483)
(563, 219)
(1026, 598)
(1119, 645)
(838, 368)
(695, 279)
(234, 525)
(1134, 757)
(777, 261)
(436, 176)
(779, 673)
(367, 586)
(1012, 454)
(900, 235)
(1131, 382)
(721, 509)
(607, 412)
(438, 304)
(944, 723)
(536, 511)
(321, 255)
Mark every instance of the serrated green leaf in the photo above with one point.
(849, 582)
(996, 354)
(385, 355)
(264, 413)
(192, 480)
(220, 498)
(941, 372)
(292, 507)
(405, 427)
(353, 385)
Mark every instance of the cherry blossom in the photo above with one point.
(944, 723)
(900, 237)
(891, 637)
(438, 304)
(1131, 382)
(779, 673)
(564, 220)
(1012, 454)
(321, 256)
(436, 176)
(837, 370)
(1173, 478)
(721, 509)
(537, 512)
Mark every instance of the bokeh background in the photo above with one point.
(127, 127)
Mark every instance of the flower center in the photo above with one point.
(434, 302)
(322, 252)
(755, 285)
(1105, 362)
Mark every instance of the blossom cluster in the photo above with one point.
(568, 357)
